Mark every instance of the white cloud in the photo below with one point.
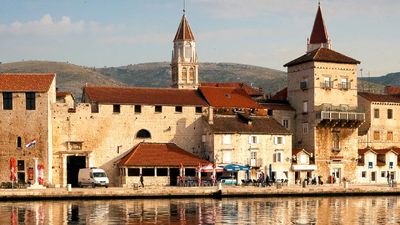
(44, 27)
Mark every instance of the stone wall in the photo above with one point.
(107, 136)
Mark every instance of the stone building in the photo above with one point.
(381, 128)
(322, 88)
(26, 125)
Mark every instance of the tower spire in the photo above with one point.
(319, 35)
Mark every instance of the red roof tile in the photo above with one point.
(393, 90)
(322, 55)
(379, 98)
(144, 96)
(280, 95)
(319, 33)
(296, 151)
(221, 97)
(248, 89)
(247, 125)
(160, 154)
(62, 94)
(24, 82)
(184, 32)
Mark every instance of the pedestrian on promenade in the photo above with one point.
(388, 177)
(141, 180)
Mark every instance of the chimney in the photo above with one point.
(210, 115)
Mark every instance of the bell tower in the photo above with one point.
(184, 64)
(319, 35)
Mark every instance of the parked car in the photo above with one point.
(92, 177)
(227, 180)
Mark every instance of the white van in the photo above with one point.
(92, 177)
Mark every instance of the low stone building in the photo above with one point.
(376, 166)
(158, 163)
(259, 142)
(303, 165)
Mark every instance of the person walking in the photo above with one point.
(141, 180)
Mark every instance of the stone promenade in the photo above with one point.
(195, 192)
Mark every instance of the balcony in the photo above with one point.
(255, 162)
(344, 86)
(339, 116)
(327, 85)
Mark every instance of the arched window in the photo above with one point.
(191, 75)
(143, 134)
(184, 75)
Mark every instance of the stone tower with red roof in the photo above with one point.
(322, 88)
(184, 64)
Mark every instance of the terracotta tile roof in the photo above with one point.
(393, 90)
(62, 94)
(222, 97)
(322, 55)
(278, 106)
(319, 33)
(184, 33)
(379, 97)
(248, 89)
(160, 154)
(247, 125)
(382, 151)
(25, 82)
(280, 95)
(144, 96)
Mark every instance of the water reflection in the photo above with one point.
(350, 210)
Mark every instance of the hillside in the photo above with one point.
(69, 77)
(392, 79)
(159, 75)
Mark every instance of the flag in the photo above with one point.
(31, 143)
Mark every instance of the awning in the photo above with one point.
(209, 169)
(280, 175)
(235, 167)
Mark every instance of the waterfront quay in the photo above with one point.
(196, 192)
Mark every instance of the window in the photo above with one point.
(376, 113)
(184, 75)
(327, 84)
(226, 139)
(389, 136)
(19, 142)
(363, 174)
(278, 156)
(116, 108)
(178, 109)
(148, 172)
(305, 128)
(370, 165)
(143, 134)
(7, 101)
(138, 109)
(253, 139)
(199, 109)
(162, 172)
(21, 165)
(285, 123)
(253, 159)
(336, 140)
(158, 108)
(188, 51)
(279, 140)
(191, 75)
(376, 135)
(304, 84)
(305, 106)
(227, 156)
(390, 113)
(391, 165)
(383, 173)
(133, 172)
(30, 100)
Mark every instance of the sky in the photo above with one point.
(266, 33)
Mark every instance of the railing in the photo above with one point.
(344, 85)
(327, 84)
(335, 115)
